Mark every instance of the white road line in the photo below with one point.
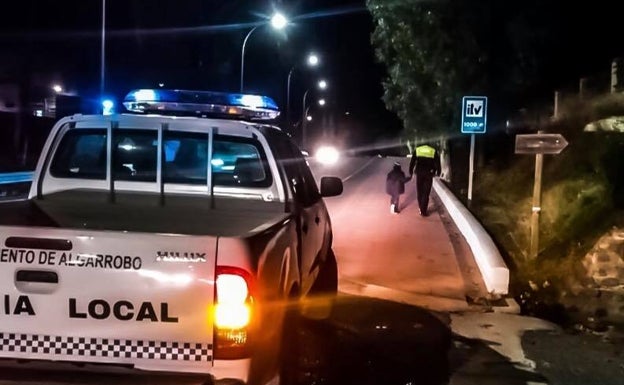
(358, 170)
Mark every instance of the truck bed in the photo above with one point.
(144, 212)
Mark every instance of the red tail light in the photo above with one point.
(233, 312)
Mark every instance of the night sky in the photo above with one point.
(196, 44)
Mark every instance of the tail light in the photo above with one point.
(233, 311)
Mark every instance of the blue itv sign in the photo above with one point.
(474, 114)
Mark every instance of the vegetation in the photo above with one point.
(437, 51)
(581, 199)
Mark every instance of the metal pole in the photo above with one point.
(614, 77)
(303, 120)
(288, 98)
(242, 67)
(556, 109)
(471, 167)
(103, 50)
(535, 211)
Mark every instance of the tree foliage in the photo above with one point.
(439, 50)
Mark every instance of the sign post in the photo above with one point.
(474, 121)
(538, 144)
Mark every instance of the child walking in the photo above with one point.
(395, 186)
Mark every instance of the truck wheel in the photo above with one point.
(327, 280)
(289, 368)
(303, 360)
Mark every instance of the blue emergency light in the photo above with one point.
(201, 103)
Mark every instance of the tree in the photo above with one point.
(428, 57)
(439, 50)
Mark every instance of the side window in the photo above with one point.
(309, 189)
(300, 178)
(81, 154)
(239, 162)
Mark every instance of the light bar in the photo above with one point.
(202, 103)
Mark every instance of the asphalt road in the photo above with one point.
(402, 257)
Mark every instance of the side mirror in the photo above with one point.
(331, 186)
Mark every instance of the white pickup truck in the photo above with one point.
(155, 241)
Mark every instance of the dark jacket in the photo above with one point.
(425, 161)
(395, 181)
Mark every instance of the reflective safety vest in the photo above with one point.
(425, 152)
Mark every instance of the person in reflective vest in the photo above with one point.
(425, 164)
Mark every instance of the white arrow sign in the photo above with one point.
(540, 143)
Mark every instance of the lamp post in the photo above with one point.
(322, 85)
(278, 22)
(103, 50)
(312, 61)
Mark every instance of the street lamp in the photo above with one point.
(57, 88)
(322, 85)
(103, 50)
(309, 118)
(278, 22)
(321, 102)
(312, 61)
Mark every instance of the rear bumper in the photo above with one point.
(230, 372)
(225, 371)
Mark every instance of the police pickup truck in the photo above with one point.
(169, 238)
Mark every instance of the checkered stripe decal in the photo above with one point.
(105, 347)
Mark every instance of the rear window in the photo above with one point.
(81, 154)
(235, 162)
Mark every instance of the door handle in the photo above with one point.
(36, 276)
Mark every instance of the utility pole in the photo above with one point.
(614, 75)
(103, 51)
(582, 86)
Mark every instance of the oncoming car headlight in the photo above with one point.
(327, 155)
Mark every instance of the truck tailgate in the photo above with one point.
(111, 297)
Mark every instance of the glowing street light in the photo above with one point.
(321, 102)
(57, 88)
(313, 60)
(309, 118)
(322, 84)
(278, 22)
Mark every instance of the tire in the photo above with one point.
(304, 353)
(327, 280)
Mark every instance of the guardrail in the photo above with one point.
(16, 177)
(15, 185)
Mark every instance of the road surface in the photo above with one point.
(403, 257)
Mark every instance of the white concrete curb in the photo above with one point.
(493, 268)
